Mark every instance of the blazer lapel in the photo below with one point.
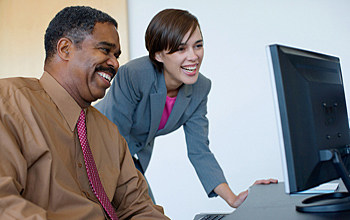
(157, 107)
(157, 99)
(157, 102)
(182, 101)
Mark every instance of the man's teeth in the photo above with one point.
(106, 76)
(190, 69)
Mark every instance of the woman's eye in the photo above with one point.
(181, 49)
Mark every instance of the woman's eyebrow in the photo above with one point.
(198, 41)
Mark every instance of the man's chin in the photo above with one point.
(97, 93)
(100, 96)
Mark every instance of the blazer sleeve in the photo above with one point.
(202, 159)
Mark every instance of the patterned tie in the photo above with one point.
(91, 169)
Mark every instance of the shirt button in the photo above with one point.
(80, 165)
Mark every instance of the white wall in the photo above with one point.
(243, 131)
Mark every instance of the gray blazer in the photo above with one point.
(135, 103)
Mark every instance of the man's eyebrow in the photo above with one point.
(105, 43)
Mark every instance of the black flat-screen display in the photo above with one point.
(311, 115)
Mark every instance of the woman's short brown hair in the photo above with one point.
(166, 31)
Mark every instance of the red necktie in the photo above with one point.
(91, 169)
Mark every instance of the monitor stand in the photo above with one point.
(330, 202)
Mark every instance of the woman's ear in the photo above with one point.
(158, 56)
(64, 46)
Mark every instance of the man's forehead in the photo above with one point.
(106, 33)
(100, 25)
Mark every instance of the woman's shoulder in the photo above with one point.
(203, 78)
(200, 89)
(138, 74)
(138, 64)
(137, 69)
(203, 82)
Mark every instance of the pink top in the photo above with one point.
(169, 104)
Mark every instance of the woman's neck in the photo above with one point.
(172, 93)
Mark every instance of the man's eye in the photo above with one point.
(105, 50)
(180, 49)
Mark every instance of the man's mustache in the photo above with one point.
(106, 69)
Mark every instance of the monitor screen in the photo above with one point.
(311, 115)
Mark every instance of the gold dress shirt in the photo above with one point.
(42, 171)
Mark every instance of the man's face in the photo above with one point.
(94, 64)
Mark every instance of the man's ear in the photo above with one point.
(64, 45)
(158, 56)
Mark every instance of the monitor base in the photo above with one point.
(330, 202)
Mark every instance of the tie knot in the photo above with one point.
(82, 115)
(81, 127)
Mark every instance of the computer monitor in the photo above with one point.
(312, 122)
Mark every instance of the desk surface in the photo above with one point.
(271, 202)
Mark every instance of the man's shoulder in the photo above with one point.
(103, 123)
(101, 118)
(8, 86)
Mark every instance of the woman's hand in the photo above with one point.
(224, 191)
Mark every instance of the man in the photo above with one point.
(46, 167)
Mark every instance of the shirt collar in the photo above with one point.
(64, 101)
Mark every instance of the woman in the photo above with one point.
(156, 95)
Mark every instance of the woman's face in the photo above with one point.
(182, 66)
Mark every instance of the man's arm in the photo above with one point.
(13, 173)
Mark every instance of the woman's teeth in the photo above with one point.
(189, 69)
(104, 75)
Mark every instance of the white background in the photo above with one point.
(243, 130)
